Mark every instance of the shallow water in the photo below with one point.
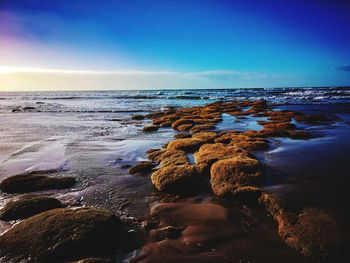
(90, 135)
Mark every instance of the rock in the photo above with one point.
(138, 117)
(35, 181)
(166, 232)
(298, 134)
(247, 194)
(175, 179)
(153, 153)
(150, 128)
(264, 133)
(257, 145)
(182, 136)
(315, 234)
(312, 119)
(205, 136)
(202, 127)
(229, 174)
(176, 159)
(210, 153)
(171, 157)
(187, 144)
(279, 126)
(64, 234)
(142, 167)
(184, 127)
(95, 260)
(28, 206)
(165, 124)
(180, 122)
(29, 108)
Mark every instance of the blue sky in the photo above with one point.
(173, 44)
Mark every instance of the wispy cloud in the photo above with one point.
(36, 78)
(344, 67)
(207, 73)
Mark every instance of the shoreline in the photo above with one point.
(162, 209)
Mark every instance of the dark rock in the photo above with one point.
(95, 260)
(36, 181)
(64, 234)
(138, 117)
(143, 167)
(29, 108)
(28, 206)
(182, 135)
(150, 128)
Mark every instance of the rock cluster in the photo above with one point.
(51, 232)
(226, 160)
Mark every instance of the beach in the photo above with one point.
(241, 175)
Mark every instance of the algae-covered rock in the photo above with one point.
(174, 179)
(27, 206)
(187, 144)
(64, 234)
(229, 174)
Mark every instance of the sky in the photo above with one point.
(129, 44)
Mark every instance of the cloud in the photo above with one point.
(36, 78)
(220, 74)
(344, 67)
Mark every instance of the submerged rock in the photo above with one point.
(137, 117)
(229, 174)
(182, 135)
(143, 168)
(150, 128)
(315, 233)
(252, 145)
(95, 260)
(312, 119)
(64, 234)
(28, 206)
(36, 181)
(175, 179)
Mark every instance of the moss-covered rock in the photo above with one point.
(64, 234)
(187, 144)
(27, 206)
(229, 174)
(175, 179)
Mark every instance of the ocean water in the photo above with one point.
(90, 135)
(146, 100)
